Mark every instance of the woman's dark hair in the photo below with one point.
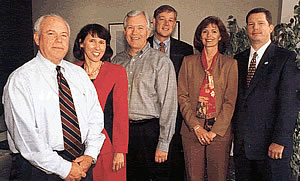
(92, 29)
(223, 43)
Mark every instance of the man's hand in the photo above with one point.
(118, 161)
(76, 173)
(275, 151)
(85, 161)
(161, 156)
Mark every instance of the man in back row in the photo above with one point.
(164, 21)
(52, 112)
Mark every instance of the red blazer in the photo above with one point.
(112, 87)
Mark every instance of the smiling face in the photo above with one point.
(210, 36)
(136, 33)
(164, 24)
(94, 48)
(258, 29)
(53, 40)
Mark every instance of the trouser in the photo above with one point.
(176, 155)
(143, 139)
(214, 156)
(261, 170)
(176, 159)
(23, 170)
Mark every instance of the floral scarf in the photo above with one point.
(206, 106)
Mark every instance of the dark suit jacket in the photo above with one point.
(178, 49)
(266, 112)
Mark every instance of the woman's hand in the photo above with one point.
(203, 137)
(118, 161)
(212, 135)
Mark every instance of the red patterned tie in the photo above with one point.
(252, 69)
(71, 131)
(162, 47)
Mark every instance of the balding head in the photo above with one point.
(52, 36)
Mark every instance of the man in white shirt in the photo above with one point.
(34, 114)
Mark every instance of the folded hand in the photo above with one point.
(85, 161)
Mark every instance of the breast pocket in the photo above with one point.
(146, 82)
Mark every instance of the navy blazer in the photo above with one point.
(266, 112)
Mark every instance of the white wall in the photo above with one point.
(287, 11)
(190, 12)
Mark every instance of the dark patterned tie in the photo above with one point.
(71, 131)
(252, 69)
(162, 47)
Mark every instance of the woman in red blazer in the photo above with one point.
(92, 48)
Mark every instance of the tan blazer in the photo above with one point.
(191, 75)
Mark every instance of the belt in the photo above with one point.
(60, 153)
(142, 121)
(65, 156)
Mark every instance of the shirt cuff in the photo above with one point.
(93, 152)
(64, 169)
(163, 146)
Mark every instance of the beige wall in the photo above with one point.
(81, 12)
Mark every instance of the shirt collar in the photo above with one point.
(141, 52)
(51, 66)
(157, 42)
(261, 50)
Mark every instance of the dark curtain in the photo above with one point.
(16, 42)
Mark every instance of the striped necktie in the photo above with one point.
(252, 69)
(162, 47)
(71, 131)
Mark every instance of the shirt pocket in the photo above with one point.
(146, 82)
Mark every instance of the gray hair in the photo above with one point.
(37, 23)
(136, 13)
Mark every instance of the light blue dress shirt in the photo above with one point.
(167, 43)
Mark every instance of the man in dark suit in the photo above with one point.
(266, 108)
(164, 21)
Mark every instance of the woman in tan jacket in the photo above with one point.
(207, 91)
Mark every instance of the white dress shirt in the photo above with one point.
(260, 52)
(32, 113)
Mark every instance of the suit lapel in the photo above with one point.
(261, 68)
(150, 40)
(198, 73)
(243, 69)
(172, 48)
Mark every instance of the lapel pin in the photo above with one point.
(266, 63)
